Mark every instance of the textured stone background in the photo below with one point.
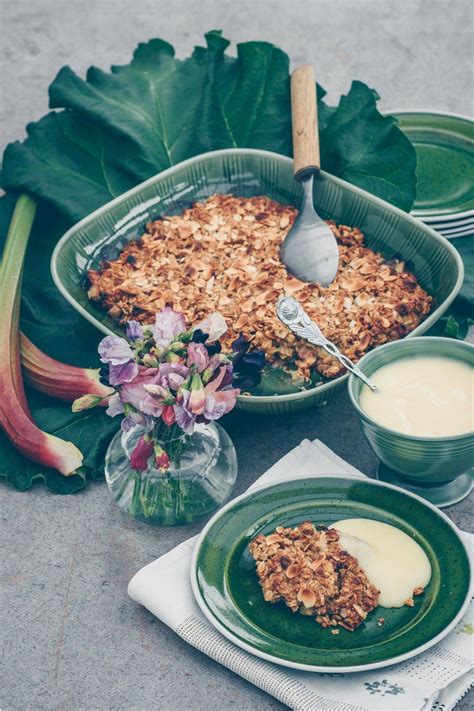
(71, 638)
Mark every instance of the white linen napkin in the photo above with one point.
(436, 679)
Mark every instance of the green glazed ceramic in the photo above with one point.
(226, 588)
(420, 461)
(102, 234)
(444, 145)
(445, 494)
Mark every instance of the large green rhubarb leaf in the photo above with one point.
(119, 128)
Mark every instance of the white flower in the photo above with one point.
(214, 325)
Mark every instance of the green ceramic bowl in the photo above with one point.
(421, 460)
(226, 588)
(435, 262)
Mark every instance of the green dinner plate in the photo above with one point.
(226, 588)
(444, 145)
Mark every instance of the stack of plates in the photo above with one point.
(444, 145)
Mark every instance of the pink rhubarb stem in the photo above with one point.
(50, 376)
(15, 417)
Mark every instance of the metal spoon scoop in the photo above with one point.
(309, 250)
(291, 313)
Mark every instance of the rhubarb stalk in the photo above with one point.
(15, 417)
(65, 382)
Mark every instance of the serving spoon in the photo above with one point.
(291, 313)
(309, 250)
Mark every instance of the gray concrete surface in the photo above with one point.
(72, 639)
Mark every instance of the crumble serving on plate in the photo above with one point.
(308, 569)
(223, 254)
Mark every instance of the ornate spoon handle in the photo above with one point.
(291, 313)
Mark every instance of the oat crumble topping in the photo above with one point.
(223, 254)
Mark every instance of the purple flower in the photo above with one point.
(214, 364)
(172, 375)
(133, 330)
(115, 350)
(184, 418)
(155, 399)
(125, 373)
(120, 358)
(168, 324)
(198, 356)
(115, 406)
(134, 393)
(247, 364)
(214, 409)
(133, 419)
(240, 345)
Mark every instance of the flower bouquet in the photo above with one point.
(171, 462)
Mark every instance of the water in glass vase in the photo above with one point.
(195, 484)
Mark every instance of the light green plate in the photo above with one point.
(444, 145)
(225, 583)
(389, 230)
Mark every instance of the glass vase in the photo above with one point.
(200, 477)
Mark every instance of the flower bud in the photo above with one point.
(141, 454)
(197, 399)
(171, 357)
(168, 415)
(162, 460)
(149, 361)
(176, 346)
(85, 402)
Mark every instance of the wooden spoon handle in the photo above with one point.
(304, 118)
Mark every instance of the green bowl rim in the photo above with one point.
(307, 667)
(463, 345)
(264, 399)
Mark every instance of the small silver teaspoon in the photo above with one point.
(291, 313)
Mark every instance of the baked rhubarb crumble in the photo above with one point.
(223, 254)
(307, 569)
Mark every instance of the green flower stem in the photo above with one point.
(136, 494)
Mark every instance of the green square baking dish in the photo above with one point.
(247, 172)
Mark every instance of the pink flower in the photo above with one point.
(214, 325)
(198, 356)
(168, 324)
(220, 403)
(218, 379)
(141, 454)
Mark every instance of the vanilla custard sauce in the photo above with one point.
(424, 396)
(392, 561)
